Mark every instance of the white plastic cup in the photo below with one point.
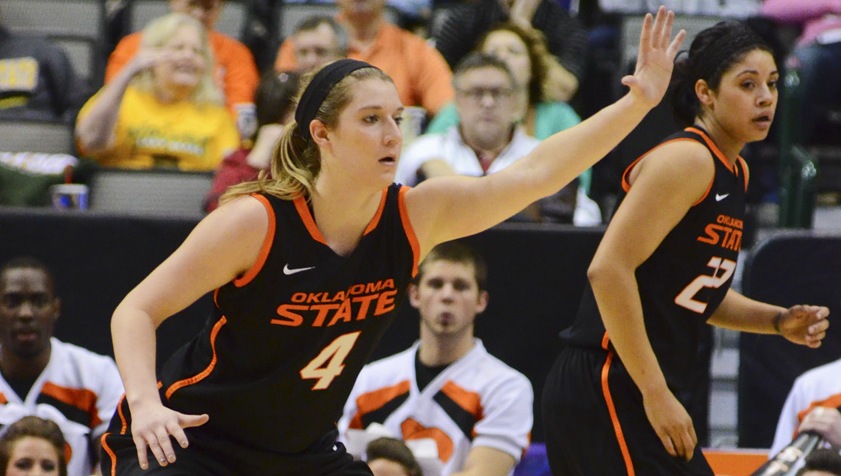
(69, 196)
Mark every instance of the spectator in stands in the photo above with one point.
(812, 404)
(487, 140)
(318, 40)
(163, 109)
(567, 39)
(816, 58)
(524, 51)
(822, 462)
(447, 387)
(723, 8)
(234, 69)
(33, 446)
(420, 74)
(391, 457)
(45, 377)
(275, 99)
(37, 80)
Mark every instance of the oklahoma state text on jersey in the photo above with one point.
(275, 370)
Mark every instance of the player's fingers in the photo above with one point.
(158, 453)
(140, 444)
(167, 453)
(189, 421)
(688, 444)
(674, 46)
(666, 30)
(819, 326)
(178, 433)
(668, 444)
(646, 35)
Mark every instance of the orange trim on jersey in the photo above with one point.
(309, 222)
(264, 250)
(110, 453)
(625, 184)
(3, 399)
(372, 401)
(716, 151)
(605, 341)
(617, 427)
(471, 402)
(123, 421)
(833, 401)
(413, 430)
(407, 227)
(746, 169)
(80, 398)
(376, 220)
(204, 373)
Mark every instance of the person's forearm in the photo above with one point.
(740, 313)
(566, 154)
(96, 130)
(617, 295)
(133, 335)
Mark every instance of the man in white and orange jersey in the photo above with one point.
(43, 376)
(447, 387)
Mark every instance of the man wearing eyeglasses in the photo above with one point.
(42, 376)
(487, 140)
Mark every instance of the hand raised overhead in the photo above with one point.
(656, 57)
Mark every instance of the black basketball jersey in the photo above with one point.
(683, 282)
(275, 371)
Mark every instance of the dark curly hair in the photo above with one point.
(711, 54)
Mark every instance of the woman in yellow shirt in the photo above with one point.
(163, 109)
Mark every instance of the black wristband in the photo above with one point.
(777, 319)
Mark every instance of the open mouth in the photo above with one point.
(388, 160)
(763, 119)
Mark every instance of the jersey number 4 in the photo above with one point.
(329, 363)
(686, 298)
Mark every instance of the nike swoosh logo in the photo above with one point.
(719, 198)
(288, 271)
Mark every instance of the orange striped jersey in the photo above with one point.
(79, 390)
(476, 401)
(275, 371)
(683, 282)
(818, 387)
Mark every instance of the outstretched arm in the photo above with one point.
(221, 247)
(451, 207)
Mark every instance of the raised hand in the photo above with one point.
(805, 325)
(152, 426)
(656, 57)
(148, 58)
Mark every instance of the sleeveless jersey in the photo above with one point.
(276, 369)
(683, 282)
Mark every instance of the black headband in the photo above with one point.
(318, 89)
